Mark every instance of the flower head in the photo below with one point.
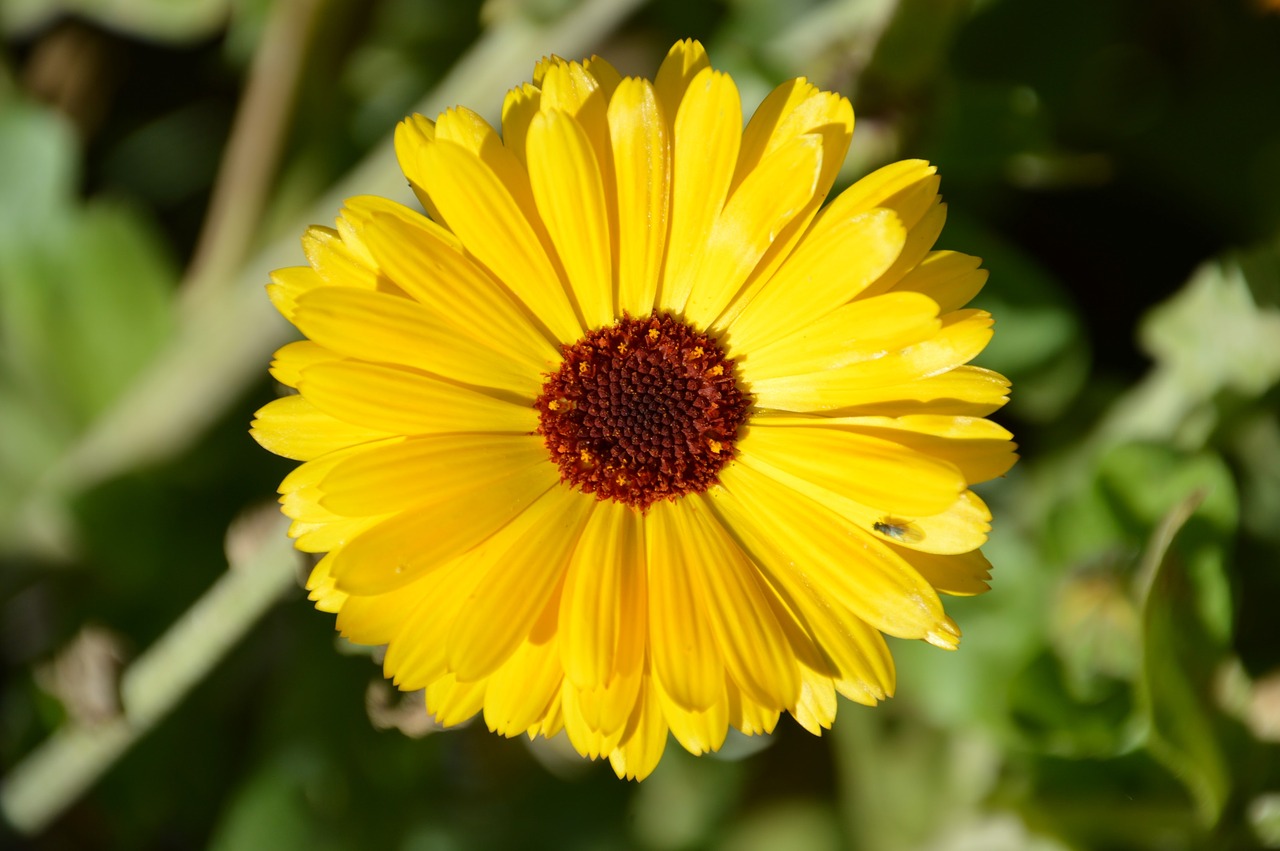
(627, 435)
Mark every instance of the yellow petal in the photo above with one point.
(853, 568)
(295, 428)
(456, 518)
(816, 708)
(792, 110)
(771, 196)
(699, 731)
(908, 187)
(543, 65)
(569, 191)
(708, 129)
(316, 528)
(919, 242)
(979, 448)
(300, 492)
(747, 714)
(796, 108)
(962, 527)
(799, 639)
(834, 261)
(412, 137)
(959, 529)
(684, 61)
(645, 738)
(523, 566)
(482, 213)
(866, 469)
(962, 575)
(335, 261)
(330, 535)
(322, 591)
(864, 330)
(756, 652)
(291, 359)
(430, 470)
(552, 722)
(378, 327)
(359, 211)
(426, 261)
(351, 243)
(827, 268)
(963, 336)
(417, 652)
(605, 75)
(641, 156)
(453, 702)
(521, 691)
(606, 710)
(467, 129)
(568, 87)
(394, 400)
(603, 616)
(287, 285)
(686, 658)
(518, 109)
(963, 391)
(948, 277)
(377, 619)
(587, 739)
(853, 652)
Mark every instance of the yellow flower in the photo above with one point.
(628, 437)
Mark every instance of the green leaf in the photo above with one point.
(84, 291)
(116, 308)
(1095, 628)
(1143, 619)
(1214, 344)
(85, 302)
(85, 306)
(1052, 718)
(1215, 334)
(1179, 658)
(1145, 483)
(38, 170)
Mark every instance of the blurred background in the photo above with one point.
(1115, 162)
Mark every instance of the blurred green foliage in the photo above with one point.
(1115, 162)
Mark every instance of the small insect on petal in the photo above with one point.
(895, 529)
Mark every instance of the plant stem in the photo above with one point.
(53, 776)
(253, 151)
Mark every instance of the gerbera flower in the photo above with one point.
(626, 436)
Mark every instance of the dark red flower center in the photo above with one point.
(643, 410)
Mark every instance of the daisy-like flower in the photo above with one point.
(626, 435)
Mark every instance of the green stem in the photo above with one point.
(64, 766)
(253, 151)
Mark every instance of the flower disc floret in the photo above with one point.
(643, 410)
